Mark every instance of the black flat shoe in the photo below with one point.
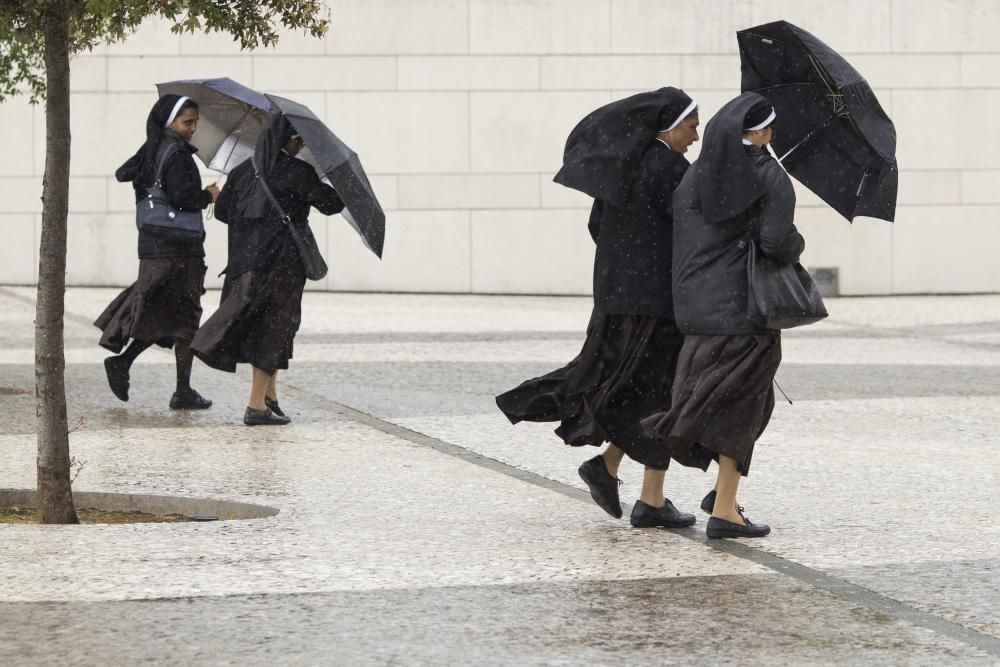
(189, 400)
(708, 502)
(117, 369)
(668, 516)
(273, 404)
(263, 418)
(603, 487)
(717, 528)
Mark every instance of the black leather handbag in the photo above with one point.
(155, 215)
(780, 296)
(312, 259)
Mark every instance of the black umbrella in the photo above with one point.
(339, 165)
(232, 116)
(831, 134)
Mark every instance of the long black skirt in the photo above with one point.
(722, 399)
(255, 324)
(162, 306)
(623, 373)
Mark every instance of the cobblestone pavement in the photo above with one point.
(417, 526)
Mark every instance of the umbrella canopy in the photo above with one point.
(339, 165)
(232, 116)
(831, 133)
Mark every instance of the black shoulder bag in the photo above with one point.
(780, 296)
(157, 217)
(312, 260)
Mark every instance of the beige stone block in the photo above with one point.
(944, 249)
(20, 257)
(386, 187)
(677, 26)
(981, 187)
(325, 73)
(468, 191)
(525, 132)
(152, 38)
(88, 73)
(425, 251)
(610, 72)
(936, 26)
(960, 142)
(17, 134)
(400, 133)
(908, 70)
(315, 101)
(88, 195)
(390, 27)
(100, 146)
(860, 26)
(121, 196)
(290, 42)
(531, 252)
(711, 72)
(468, 73)
(101, 249)
(559, 196)
(21, 194)
(142, 73)
(929, 187)
(862, 251)
(528, 26)
(981, 70)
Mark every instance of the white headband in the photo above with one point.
(684, 114)
(177, 109)
(770, 119)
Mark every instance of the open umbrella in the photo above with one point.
(339, 165)
(232, 116)
(832, 135)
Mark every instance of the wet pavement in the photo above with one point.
(418, 527)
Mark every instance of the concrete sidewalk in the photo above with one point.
(418, 527)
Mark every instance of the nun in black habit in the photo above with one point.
(261, 305)
(722, 395)
(628, 155)
(163, 306)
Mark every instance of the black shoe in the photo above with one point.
(603, 487)
(721, 528)
(263, 418)
(708, 502)
(116, 369)
(189, 400)
(668, 516)
(273, 404)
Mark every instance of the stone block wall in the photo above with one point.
(459, 110)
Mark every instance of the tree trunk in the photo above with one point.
(55, 495)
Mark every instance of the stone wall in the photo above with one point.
(459, 110)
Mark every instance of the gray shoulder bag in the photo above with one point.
(779, 296)
(312, 259)
(155, 215)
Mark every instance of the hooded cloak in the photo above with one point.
(604, 150)
(728, 182)
(251, 199)
(141, 167)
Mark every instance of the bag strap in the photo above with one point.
(270, 195)
(157, 176)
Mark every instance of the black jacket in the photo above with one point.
(634, 243)
(710, 259)
(265, 244)
(182, 183)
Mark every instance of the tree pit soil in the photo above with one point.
(27, 515)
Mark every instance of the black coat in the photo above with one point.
(634, 242)
(265, 244)
(182, 183)
(710, 259)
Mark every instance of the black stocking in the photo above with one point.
(136, 348)
(185, 359)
